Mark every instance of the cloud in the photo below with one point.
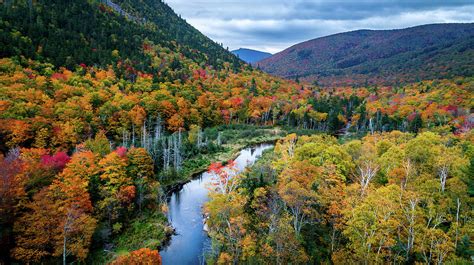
(273, 25)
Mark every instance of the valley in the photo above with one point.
(125, 132)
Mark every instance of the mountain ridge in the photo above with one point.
(250, 55)
(68, 34)
(379, 56)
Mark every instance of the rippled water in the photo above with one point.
(190, 243)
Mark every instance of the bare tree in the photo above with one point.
(408, 167)
(458, 202)
(410, 215)
(443, 175)
(177, 159)
(367, 172)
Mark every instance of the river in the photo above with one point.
(190, 243)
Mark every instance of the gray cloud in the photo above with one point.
(272, 25)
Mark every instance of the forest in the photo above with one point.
(97, 128)
(69, 133)
(389, 197)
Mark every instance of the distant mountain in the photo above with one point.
(251, 56)
(379, 56)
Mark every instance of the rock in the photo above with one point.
(169, 230)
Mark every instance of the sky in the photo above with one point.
(273, 25)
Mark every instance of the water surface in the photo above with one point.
(190, 243)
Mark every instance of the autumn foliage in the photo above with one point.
(142, 256)
(60, 217)
(96, 125)
(389, 196)
(224, 176)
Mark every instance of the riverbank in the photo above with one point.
(190, 243)
(235, 138)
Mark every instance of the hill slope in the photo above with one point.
(69, 33)
(148, 101)
(380, 56)
(251, 56)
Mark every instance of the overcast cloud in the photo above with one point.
(273, 25)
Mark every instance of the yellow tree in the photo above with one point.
(283, 246)
(372, 225)
(285, 150)
(295, 186)
(140, 169)
(116, 190)
(227, 223)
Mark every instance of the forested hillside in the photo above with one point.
(53, 117)
(67, 33)
(56, 108)
(106, 107)
(390, 57)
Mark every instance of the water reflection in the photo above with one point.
(191, 242)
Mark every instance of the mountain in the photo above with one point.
(93, 32)
(251, 56)
(108, 108)
(379, 56)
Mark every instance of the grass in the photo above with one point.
(149, 230)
